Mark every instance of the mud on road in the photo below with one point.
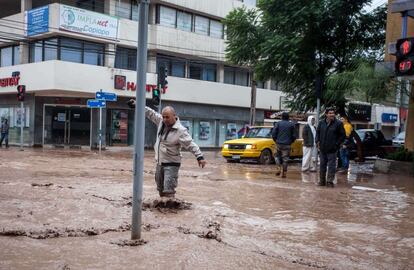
(63, 209)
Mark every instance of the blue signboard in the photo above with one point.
(106, 96)
(96, 103)
(37, 21)
(389, 117)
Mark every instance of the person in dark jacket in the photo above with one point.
(330, 135)
(4, 133)
(310, 152)
(284, 135)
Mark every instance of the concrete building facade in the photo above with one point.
(66, 51)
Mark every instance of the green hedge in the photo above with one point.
(401, 154)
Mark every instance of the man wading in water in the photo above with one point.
(171, 136)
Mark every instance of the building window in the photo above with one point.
(93, 54)
(167, 16)
(184, 21)
(274, 85)
(260, 84)
(216, 29)
(67, 49)
(175, 67)
(205, 72)
(236, 76)
(71, 50)
(51, 49)
(94, 5)
(201, 25)
(127, 9)
(9, 56)
(36, 52)
(126, 58)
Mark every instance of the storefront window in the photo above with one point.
(15, 117)
(119, 127)
(188, 124)
(230, 131)
(205, 133)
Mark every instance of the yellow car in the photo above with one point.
(257, 144)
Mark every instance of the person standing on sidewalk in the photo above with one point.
(344, 151)
(329, 137)
(171, 136)
(284, 135)
(309, 146)
(4, 133)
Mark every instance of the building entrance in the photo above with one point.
(67, 125)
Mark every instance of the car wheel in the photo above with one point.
(266, 157)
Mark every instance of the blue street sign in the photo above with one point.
(389, 117)
(96, 103)
(106, 96)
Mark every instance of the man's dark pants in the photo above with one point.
(5, 137)
(327, 160)
(282, 156)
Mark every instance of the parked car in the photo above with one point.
(373, 143)
(399, 140)
(258, 145)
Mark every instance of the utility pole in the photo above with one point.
(253, 103)
(139, 133)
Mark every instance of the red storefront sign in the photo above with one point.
(120, 83)
(11, 81)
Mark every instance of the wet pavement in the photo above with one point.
(68, 209)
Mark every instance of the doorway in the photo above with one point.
(69, 125)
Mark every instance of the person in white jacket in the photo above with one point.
(171, 137)
(309, 146)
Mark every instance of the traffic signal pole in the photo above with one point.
(139, 132)
(21, 124)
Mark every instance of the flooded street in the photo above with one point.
(63, 209)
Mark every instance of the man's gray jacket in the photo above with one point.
(168, 144)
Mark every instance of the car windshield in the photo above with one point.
(361, 134)
(259, 133)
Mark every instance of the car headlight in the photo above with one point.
(251, 146)
(225, 146)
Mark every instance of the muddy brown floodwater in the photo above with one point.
(63, 209)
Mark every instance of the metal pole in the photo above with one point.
(100, 130)
(159, 105)
(318, 109)
(21, 124)
(404, 24)
(139, 133)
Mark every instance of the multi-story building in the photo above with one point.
(65, 51)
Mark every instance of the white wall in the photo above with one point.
(65, 78)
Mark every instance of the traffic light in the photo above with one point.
(21, 91)
(156, 96)
(162, 77)
(405, 57)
